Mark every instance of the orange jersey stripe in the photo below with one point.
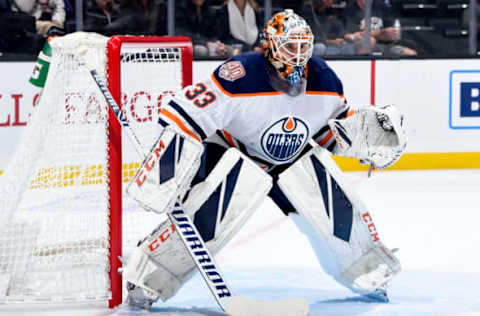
(229, 138)
(335, 94)
(330, 134)
(179, 123)
(233, 95)
(325, 139)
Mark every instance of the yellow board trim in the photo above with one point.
(74, 175)
(77, 175)
(419, 161)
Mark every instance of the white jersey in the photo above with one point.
(238, 104)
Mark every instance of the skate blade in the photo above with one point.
(379, 295)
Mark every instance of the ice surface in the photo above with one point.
(432, 216)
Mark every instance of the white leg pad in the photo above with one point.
(160, 264)
(145, 272)
(233, 190)
(337, 223)
(235, 207)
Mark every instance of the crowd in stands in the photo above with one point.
(222, 28)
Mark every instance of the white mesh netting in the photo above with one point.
(54, 225)
(150, 74)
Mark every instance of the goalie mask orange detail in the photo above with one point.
(288, 39)
(288, 45)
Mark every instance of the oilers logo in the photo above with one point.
(284, 139)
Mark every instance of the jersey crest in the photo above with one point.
(232, 71)
(285, 138)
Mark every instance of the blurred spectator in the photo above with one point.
(99, 16)
(147, 16)
(382, 30)
(199, 22)
(69, 8)
(295, 5)
(331, 37)
(135, 17)
(240, 23)
(18, 31)
(49, 14)
(155, 12)
(4, 6)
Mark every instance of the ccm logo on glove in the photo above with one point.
(149, 164)
(162, 237)
(371, 226)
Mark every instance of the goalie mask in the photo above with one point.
(288, 45)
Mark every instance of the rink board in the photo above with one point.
(427, 91)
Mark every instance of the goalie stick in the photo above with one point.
(189, 234)
(204, 261)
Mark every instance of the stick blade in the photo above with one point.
(240, 306)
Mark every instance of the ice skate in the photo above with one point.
(139, 298)
(379, 295)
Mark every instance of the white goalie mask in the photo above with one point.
(289, 39)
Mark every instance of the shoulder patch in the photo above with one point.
(232, 71)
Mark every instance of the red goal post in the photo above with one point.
(114, 71)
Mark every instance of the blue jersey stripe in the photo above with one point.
(162, 122)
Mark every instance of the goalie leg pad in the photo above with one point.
(167, 171)
(219, 207)
(144, 271)
(337, 223)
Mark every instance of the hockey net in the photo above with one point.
(64, 217)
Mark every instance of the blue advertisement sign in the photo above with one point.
(464, 111)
